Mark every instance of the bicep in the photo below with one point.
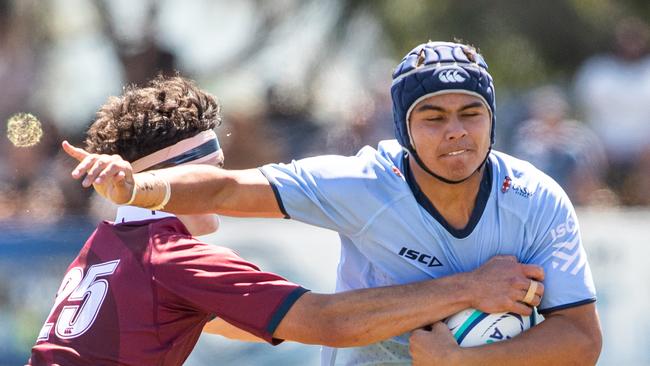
(581, 331)
(248, 193)
(583, 318)
(199, 189)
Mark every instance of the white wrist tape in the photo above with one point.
(133, 194)
(168, 195)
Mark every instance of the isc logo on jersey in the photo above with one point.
(414, 255)
(472, 327)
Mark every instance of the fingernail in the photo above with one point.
(98, 180)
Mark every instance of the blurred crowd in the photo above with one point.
(590, 131)
(591, 134)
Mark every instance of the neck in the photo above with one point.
(455, 202)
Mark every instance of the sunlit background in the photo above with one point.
(299, 78)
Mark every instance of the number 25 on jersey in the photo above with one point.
(84, 296)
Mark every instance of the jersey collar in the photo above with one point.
(479, 206)
(132, 213)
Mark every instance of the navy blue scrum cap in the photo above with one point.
(434, 68)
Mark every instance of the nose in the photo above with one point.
(455, 129)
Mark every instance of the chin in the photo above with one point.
(455, 173)
(462, 170)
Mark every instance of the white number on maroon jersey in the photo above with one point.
(89, 291)
(69, 283)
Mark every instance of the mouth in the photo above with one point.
(455, 152)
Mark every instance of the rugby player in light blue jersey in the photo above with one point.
(436, 202)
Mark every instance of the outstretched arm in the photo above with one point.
(195, 189)
(567, 337)
(361, 317)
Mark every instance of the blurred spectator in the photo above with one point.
(291, 125)
(613, 91)
(29, 189)
(17, 60)
(367, 124)
(141, 54)
(637, 185)
(247, 142)
(563, 148)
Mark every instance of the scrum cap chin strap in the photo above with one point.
(419, 161)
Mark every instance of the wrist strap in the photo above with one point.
(133, 194)
(168, 194)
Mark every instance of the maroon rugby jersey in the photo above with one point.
(139, 293)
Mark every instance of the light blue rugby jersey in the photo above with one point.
(391, 234)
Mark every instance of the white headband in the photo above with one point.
(201, 148)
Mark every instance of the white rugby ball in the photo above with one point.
(472, 327)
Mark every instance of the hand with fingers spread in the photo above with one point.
(505, 285)
(110, 175)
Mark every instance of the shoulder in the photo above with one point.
(522, 187)
(172, 244)
(381, 164)
(368, 161)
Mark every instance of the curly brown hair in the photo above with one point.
(144, 120)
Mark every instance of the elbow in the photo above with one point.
(590, 348)
(594, 347)
(584, 338)
(326, 320)
(338, 330)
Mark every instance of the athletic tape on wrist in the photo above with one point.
(168, 194)
(133, 194)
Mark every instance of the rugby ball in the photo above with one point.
(472, 327)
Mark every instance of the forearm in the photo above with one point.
(200, 189)
(366, 316)
(559, 340)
